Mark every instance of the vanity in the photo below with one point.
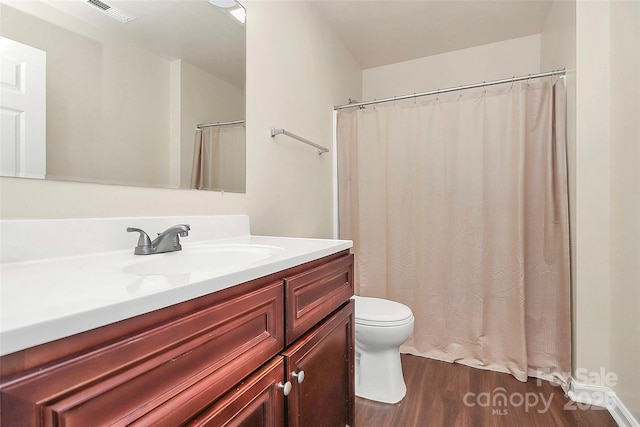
(264, 336)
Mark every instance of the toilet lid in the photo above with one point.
(381, 312)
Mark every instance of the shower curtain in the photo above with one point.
(458, 208)
(219, 158)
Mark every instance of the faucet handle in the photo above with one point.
(144, 242)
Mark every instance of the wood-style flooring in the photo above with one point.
(454, 395)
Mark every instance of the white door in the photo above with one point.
(22, 110)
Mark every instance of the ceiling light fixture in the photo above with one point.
(239, 13)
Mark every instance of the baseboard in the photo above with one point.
(602, 396)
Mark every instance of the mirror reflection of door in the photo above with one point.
(22, 110)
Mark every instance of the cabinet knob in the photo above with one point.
(286, 388)
(298, 375)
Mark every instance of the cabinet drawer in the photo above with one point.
(256, 402)
(163, 374)
(314, 294)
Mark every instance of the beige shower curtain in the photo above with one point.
(458, 208)
(219, 158)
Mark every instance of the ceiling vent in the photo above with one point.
(113, 12)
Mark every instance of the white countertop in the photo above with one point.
(46, 299)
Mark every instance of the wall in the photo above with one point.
(592, 228)
(297, 70)
(625, 201)
(492, 61)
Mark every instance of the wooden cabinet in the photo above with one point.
(221, 359)
(319, 368)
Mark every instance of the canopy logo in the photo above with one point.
(499, 401)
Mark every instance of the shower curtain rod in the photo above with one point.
(206, 125)
(452, 89)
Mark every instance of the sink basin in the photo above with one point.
(206, 258)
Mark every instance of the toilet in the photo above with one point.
(381, 326)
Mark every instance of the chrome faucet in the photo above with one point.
(167, 241)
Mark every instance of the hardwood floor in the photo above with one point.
(453, 395)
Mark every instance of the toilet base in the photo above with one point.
(379, 376)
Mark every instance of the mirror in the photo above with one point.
(115, 91)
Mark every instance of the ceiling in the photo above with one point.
(376, 32)
(385, 32)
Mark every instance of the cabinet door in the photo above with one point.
(320, 367)
(257, 402)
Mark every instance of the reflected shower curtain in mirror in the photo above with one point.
(219, 159)
(458, 208)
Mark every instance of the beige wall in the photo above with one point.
(593, 202)
(492, 61)
(625, 201)
(296, 71)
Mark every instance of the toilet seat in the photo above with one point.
(381, 312)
